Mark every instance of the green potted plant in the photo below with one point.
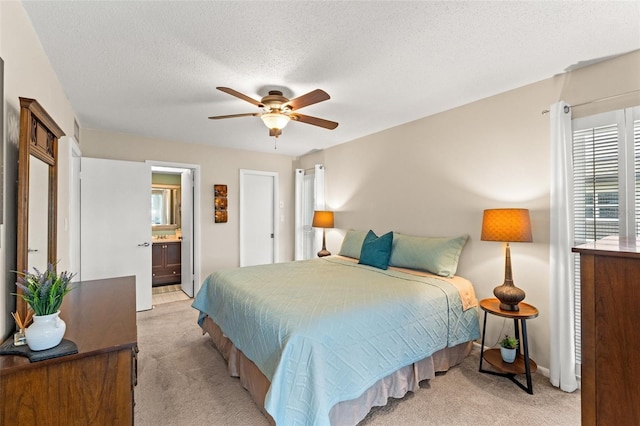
(44, 292)
(508, 347)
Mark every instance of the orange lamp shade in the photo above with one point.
(507, 225)
(322, 219)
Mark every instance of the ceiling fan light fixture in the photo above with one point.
(278, 110)
(275, 120)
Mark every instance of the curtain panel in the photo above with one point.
(562, 368)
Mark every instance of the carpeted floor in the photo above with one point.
(182, 380)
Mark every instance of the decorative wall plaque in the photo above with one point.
(220, 203)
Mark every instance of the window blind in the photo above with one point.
(601, 147)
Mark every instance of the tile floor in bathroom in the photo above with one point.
(167, 294)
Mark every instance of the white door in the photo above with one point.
(258, 225)
(116, 223)
(186, 218)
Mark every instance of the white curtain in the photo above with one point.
(299, 216)
(562, 368)
(307, 199)
(318, 202)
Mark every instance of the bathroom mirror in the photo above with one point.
(37, 190)
(165, 206)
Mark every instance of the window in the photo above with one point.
(606, 173)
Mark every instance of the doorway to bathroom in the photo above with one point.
(175, 223)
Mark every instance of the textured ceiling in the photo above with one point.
(151, 68)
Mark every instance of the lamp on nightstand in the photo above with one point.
(323, 219)
(507, 225)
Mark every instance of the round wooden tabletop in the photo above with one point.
(526, 311)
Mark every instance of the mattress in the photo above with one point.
(325, 330)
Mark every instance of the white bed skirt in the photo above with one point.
(395, 385)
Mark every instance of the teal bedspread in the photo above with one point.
(324, 330)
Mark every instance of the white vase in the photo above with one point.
(45, 332)
(508, 355)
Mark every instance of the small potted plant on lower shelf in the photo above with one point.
(508, 347)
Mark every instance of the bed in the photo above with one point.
(321, 341)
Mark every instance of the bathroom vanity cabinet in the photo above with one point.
(166, 259)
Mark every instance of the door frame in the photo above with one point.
(73, 156)
(276, 215)
(195, 168)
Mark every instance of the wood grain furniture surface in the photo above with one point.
(39, 136)
(92, 387)
(166, 263)
(610, 284)
(523, 364)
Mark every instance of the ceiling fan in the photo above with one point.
(278, 110)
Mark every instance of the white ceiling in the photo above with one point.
(151, 68)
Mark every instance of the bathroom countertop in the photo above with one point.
(166, 240)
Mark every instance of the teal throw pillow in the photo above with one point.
(376, 250)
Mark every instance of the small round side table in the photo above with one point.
(522, 364)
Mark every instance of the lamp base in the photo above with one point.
(323, 253)
(509, 296)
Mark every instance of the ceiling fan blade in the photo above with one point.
(321, 122)
(308, 99)
(247, 114)
(240, 95)
(275, 132)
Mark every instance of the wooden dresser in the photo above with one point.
(92, 387)
(610, 286)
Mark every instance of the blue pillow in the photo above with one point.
(376, 250)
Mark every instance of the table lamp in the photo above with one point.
(323, 219)
(507, 225)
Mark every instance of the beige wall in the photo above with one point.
(219, 241)
(435, 176)
(27, 73)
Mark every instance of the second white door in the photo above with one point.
(258, 217)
